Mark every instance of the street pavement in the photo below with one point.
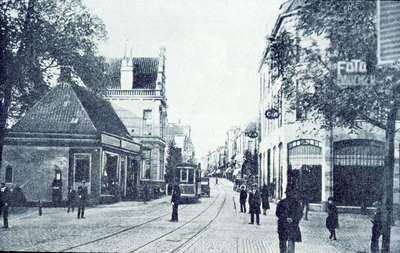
(229, 232)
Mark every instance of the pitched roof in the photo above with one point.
(71, 110)
(145, 72)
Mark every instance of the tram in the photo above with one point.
(190, 181)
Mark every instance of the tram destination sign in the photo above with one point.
(353, 73)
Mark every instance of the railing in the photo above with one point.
(141, 92)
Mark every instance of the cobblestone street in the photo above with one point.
(229, 232)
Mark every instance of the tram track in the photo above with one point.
(187, 242)
(105, 238)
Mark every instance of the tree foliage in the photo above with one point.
(38, 37)
(174, 157)
(333, 31)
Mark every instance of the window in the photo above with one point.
(110, 174)
(82, 167)
(147, 122)
(183, 175)
(9, 174)
(146, 164)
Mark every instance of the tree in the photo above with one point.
(37, 38)
(348, 30)
(174, 157)
(250, 164)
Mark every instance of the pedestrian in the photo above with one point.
(176, 196)
(242, 199)
(377, 227)
(332, 221)
(71, 199)
(254, 205)
(265, 199)
(5, 199)
(289, 212)
(216, 180)
(82, 195)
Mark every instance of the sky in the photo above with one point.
(213, 52)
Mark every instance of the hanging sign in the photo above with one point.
(272, 113)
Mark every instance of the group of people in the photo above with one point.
(255, 199)
(290, 211)
(77, 199)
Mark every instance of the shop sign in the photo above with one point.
(353, 73)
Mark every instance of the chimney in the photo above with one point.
(126, 74)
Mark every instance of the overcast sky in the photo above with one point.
(213, 51)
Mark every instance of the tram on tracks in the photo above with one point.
(190, 181)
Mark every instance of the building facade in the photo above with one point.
(339, 162)
(140, 101)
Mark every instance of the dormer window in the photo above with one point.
(74, 120)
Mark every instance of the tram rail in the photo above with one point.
(103, 239)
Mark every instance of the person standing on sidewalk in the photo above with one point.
(264, 199)
(289, 212)
(71, 199)
(176, 196)
(82, 195)
(332, 221)
(254, 205)
(377, 227)
(4, 203)
(242, 199)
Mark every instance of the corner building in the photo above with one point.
(139, 100)
(347, 165)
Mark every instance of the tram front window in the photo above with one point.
(191, 177)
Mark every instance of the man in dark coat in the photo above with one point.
(242, 199)
(254, 205)
(4, 203)
(264, 199)
(377, 227)
(332, 221)
(176, 196)
(82, 195)
(289, 212)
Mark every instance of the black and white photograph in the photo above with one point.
(232, 126)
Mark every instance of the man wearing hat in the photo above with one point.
(242, 199)
(289, 212)
(254, 204)
(82, 194)
(4, 203)
(377, 227)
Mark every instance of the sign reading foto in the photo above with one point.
(353, 73)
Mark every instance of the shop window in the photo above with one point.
(82, 167)
(110, 175)
(9, 174)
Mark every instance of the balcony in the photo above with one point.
(137, 93)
